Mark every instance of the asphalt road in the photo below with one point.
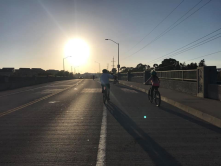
(66, 123)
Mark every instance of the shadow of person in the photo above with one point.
(158, 155)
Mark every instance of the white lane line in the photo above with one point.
(101, 154)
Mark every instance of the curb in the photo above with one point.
(206, 117)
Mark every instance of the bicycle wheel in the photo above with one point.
(157, 98)
(108, 94)
(149, 95)
(105, 96)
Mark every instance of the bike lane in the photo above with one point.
(139, 133)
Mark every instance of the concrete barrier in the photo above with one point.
(18, 82)
(195, 82)
(214, 91)
(189, 87)
(181, 86)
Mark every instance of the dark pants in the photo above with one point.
(106, 85)
(108, 89)
(152, 89)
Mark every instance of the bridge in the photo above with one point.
(65, 122)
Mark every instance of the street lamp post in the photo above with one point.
(63, 61)
(99, 66)
(118, 66)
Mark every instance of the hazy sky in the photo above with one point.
(33, 33)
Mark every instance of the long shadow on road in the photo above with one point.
(191, 119)
(159, 155)
(187, 117)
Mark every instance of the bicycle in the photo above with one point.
(106, 94)
(115, 80)
(156, 97)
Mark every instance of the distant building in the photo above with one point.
(7, 72)
(37, 71)
(52, 71)
(88, 75)
(219, 69)
(24, 72)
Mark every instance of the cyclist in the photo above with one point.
(115, 80)
(105, 81)
(155, 81)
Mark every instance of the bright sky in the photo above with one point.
(34, 33)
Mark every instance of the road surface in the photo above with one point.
(66, 123)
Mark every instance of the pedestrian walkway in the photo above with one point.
(206, 109)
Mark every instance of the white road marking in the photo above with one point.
(49, 91)
(101, 154)
(128, 90)
(52, 102)
(91, 90)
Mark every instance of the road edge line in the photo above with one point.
(197, 113)
(101, 154)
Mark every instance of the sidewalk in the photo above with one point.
(206, 109)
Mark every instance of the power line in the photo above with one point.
(192, 59)
(156, 26)
(186, 45)
(204, 56)
(168, 30)
(192, 47)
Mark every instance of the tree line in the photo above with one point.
(166, 64)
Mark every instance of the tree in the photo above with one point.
(141, 67)
(202, 63)
(191, 66)
(122, 69)
(169, 64)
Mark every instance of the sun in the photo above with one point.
(79, 51)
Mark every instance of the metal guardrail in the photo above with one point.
(184, 75)
(137, 74)
(123, 74)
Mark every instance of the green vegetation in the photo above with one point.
(166, 64)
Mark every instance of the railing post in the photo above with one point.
(128, 76)
(182, 75)
(146, 75)
(205, 75)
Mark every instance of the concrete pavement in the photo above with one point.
(69, 127)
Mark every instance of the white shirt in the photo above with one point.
(105, 78)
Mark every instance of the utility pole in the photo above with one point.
(113, 62)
